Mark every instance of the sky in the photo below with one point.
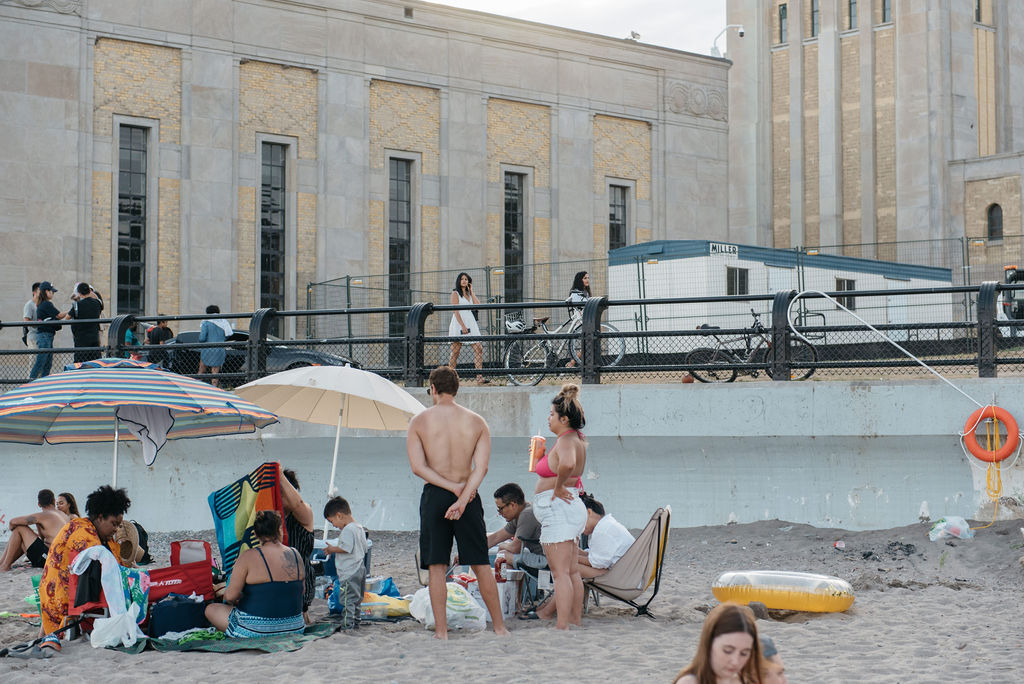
(689, 25)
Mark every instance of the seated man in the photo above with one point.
(519, 540)
(609, 540)
(34, 543)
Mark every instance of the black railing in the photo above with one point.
(957, 329)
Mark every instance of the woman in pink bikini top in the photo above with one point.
(557, 505)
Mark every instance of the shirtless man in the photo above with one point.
(48, 522)
(449, 447)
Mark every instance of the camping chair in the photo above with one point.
(638, 568)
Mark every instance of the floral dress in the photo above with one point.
(76, 536)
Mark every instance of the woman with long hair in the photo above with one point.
(580, 291)
(463, 324)
(557, 504)
(729, 651)
(67, 505)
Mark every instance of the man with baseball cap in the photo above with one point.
(45, 311)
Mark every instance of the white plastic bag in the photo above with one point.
(118, 630)
(463, 611)
(950, 526)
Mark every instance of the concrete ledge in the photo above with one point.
(836, 454)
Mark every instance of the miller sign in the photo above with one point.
(720, 248)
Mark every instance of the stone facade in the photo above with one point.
(871, 124)
(342, 85)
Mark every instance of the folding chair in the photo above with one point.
(637, 570)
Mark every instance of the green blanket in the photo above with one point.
(268, 644)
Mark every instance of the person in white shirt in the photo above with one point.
(609, 540)
(348, 559)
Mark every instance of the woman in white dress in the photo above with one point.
(464, 324)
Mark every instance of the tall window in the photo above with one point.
(995, 222)
(846, 285)
(515, 210)
(977, 11)
(853, 14)
(886, 11)
(617, 236)
(783, 24)
(815, 17)
(736, 281)
(272, 227)
(399, 249)
(131, 220)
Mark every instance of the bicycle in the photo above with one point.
(757, 344)
(544, 355)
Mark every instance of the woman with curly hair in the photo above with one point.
(104, 510)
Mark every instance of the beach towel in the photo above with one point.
(234, 509)
(267, 644)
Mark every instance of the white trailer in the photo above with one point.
(702, 268)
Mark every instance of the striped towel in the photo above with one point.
(234, 509)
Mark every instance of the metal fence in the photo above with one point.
(723, 339)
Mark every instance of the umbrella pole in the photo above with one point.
(334, 463)
(113, 478)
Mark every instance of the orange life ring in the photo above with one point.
(971, 437)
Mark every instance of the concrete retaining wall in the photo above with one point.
(851, 455)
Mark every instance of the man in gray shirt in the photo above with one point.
(519, 539)
(29, 314)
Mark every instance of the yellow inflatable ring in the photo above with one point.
(783, 590)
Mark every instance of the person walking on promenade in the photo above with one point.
(213, 330)
(449, 447)
(464, 324)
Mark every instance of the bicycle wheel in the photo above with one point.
(800, 352)
(612, 348)
(705, 356)
(520, 357)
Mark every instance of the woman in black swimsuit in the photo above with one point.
(265, 587)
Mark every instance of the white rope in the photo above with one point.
(789, 319)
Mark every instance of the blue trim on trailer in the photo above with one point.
(770, 256)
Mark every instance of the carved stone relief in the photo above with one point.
(695, 100)
(62, 6)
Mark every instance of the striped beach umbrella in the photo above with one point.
(93, 404)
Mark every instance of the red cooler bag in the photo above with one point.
(191, 551)
(187, 579)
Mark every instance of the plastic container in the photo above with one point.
(512, 574)
(374, 584)
(537, 448)
(373, 610)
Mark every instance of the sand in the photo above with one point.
(924, 612)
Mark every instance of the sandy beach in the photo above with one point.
(924, 612)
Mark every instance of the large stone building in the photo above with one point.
(874, 122)
(183, 152)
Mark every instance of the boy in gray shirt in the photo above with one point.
(348, 559)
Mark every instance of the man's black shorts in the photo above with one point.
(436, 533)
(36, 553)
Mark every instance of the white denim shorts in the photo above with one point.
(559, 521)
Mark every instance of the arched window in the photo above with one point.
(995, 222)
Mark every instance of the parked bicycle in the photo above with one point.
(539, 357)
(756, 349)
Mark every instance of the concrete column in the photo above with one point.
(865, 25)
(796, 122)
(914, 54)
(830, 126)
(750, 133)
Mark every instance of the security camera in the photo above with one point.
(740, 32)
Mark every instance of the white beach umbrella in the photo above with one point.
(334, 395)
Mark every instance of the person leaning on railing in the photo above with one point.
(578, 296)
